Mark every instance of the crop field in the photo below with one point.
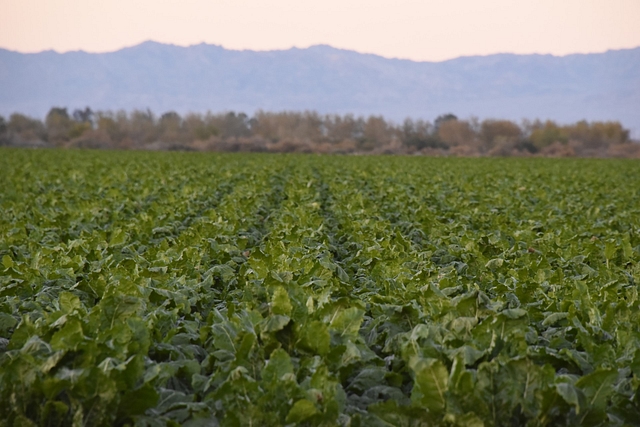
(157, 289)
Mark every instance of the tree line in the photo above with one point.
(312, 132)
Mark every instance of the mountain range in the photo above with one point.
(204, 77)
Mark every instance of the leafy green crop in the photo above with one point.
(157, 289)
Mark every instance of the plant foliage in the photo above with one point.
(157, 289)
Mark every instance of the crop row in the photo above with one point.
(166, 288)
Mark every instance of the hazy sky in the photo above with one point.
(419, 30)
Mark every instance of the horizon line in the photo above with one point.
(150, 41)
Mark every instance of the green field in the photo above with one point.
(264, 290)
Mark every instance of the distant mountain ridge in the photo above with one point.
(600, 86)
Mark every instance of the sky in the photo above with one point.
(419, 30)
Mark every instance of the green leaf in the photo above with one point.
(136, 402)
(302, 410)
(554, 318)
(466, 420)
(22, 421)
(347, 322)
(610, 249)
(118, 237)
(514, 313)
(69, 337)
(368, 378)
(572, 395)
(469, 354)
(315, 337)
(597, 388)
(278, 365)
(280, 303)
(7, 261)
(6, 322)
(342, 275)
(54, 412)
(430, 384)
(224, 335)
(276, 323)
(52, 361)
(494, 263)
(627, 250)
(223, 271)
(69, 302)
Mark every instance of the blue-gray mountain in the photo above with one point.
(603, 86)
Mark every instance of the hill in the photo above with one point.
(602, 86)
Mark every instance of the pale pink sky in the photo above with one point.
(419, 30)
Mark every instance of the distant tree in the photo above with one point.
(408, 129)
(543, 135)
(59, 125)
(142, 127)
(4, 131)
(170, 127)
(455, 133)
(341, 128)
(503, 134)
(305, 126)
(442, 119)
(309, 127)
(597, 134)
(234, 125)
(25, 129)
(265, 126)
(170, 117)
(83, 116)
(308, 131)
(419, 134)
(115, 125)
(199, 128)
(375, 132)
(83, 122)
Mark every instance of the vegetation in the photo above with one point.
(312, 132)
(202, 289)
